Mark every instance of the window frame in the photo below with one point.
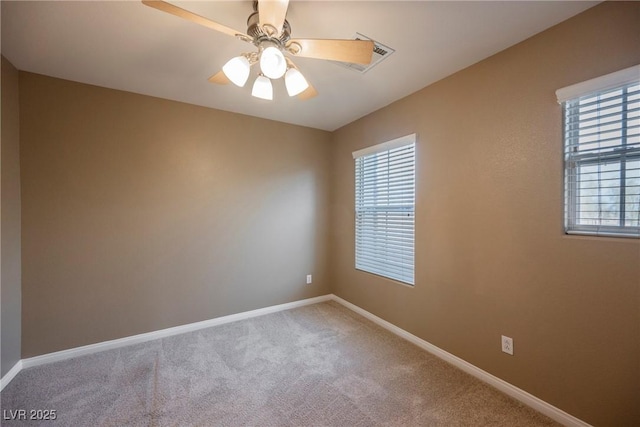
(622, 154)
(382, 265)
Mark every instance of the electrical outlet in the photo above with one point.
(309, 279)
(507, 345)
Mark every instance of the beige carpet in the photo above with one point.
(320, 365)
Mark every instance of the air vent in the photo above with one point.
(380, 53)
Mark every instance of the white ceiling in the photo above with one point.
(126, 45)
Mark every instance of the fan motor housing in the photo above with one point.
(258, 33)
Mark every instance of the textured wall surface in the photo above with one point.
(491, 256)
(11, 273)
(141, 214)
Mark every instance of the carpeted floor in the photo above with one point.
(319, 365)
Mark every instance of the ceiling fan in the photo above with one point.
(270, 32)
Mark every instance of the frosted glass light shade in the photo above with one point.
(262, 88)
(295, 82)
(237, 70)
(272, 63)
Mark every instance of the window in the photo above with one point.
(602, 155)
(385, 209)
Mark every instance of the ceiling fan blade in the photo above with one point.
(308, 93)
(219, 78)
(354, 51)
(190, 16)
(273, 12)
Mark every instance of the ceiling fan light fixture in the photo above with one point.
(295, 82)
(262, 88)
(269, 31)
(273, 63)
(237, 70)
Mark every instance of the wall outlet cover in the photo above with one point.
(507, 345)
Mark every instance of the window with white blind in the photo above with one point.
(602, 155)
(385, 209)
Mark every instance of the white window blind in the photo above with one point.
(602, 159)
(385, 209)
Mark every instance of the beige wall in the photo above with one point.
(491, 257)
(141, 214)
(11, 274)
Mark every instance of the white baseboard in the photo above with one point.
(135, 339)
(10, 375)
(509, 389)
